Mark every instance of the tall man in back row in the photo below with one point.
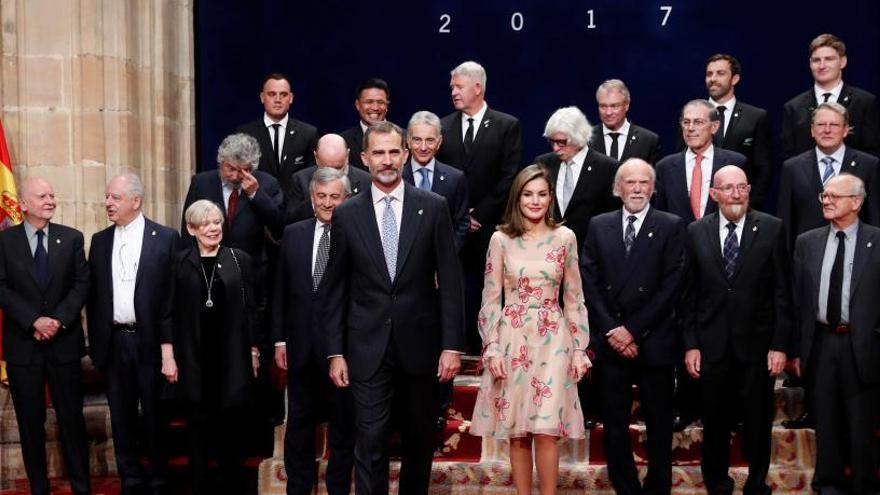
(620, 139)
(487, 146)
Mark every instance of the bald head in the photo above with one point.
(37, 201)
(730, 189)
(729, 174)
(332, 152)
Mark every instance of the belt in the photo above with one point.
(125, 327)
(838, 329)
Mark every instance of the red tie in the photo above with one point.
(696, 187)
(233, 204)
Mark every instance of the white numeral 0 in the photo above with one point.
(446, 19)
(516, 21)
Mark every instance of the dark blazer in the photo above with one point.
(298, 152)
(640, 143)
(671, 193)
(750, 312)
(639, 291)
(181, 324)
(420, 313)
(23, 301)
(494, 160)
(800, 185)
(864, 312)
(354, 138)
(151, 288)
(592, 194)
(299, 204)
(864, 121)
(450, 183)
(253, 217)
(295, 305)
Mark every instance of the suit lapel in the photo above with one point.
(813, 173)
(845, 96)
(598, 141)
(453, 144)
(864, 245)
(408, 176)
(813, 263)
(410, 221)
(628, 142)
(288, 142)
(850, 164)
(56, 243)
(584, 179)
(24, 252)
(731, 127)
(643, 240)
(552, 166)
(147, 247)
(712, 241)
(308, 244)
(369, 229)
(751, 228)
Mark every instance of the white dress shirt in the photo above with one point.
(722, 229)
(621, 139)
(851, 233)
(577, 164)
(835, 93)
(124, 262)
(838, 160)
(690, 160)
(478, 119)
(728, 111)
(417, 176)
(319, 231)
(640, 219)
(396, 204)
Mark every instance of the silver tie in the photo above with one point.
(389, 237)
(829, 169)
(567, 187)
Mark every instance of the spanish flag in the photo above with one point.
(10, 214)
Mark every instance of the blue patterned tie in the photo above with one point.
(731, 250)
(829, 169)
(425, 183)
(389, 237)
(629, 237)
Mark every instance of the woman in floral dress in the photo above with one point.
(534, 350)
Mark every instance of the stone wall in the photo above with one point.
(92, 88)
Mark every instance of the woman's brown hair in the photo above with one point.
(514, 222)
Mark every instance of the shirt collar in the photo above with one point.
(269, 122)
(478, 117)
(378, 195)
(640, 216)
(835, 91)
(31, 231)
(624, 129)
(850, 231)
(580, 156)
(728, 105)
(708, 153)
(133, 226)
(837, 155)
(319, 225)
(723, 220)
(416, 166)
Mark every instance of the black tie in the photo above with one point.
(719, 136)
(826, 96)
(41, 261)
(322, 257)
(469, 135)
(629, 237)
(613, 152)
(276, 128)
(731, 250)
(835, 282)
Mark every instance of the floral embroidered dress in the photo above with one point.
(521, 320)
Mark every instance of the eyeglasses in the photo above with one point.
(729, 188)
(610, 106)
(562, 143)
(827, 125)
(698, 123)
(833, 198)
(417, 141)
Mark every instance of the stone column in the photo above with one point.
(92, 88)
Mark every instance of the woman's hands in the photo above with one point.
(580, 365)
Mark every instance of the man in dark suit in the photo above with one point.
(311, 396)
(803, 176)
(371, 100)
(742, 127)
(620, 139)
(583, 178)
(130, 277)
(286, 144)
(736, 326)
(683, 178)
(836, 285)
(332, 152)
(632, 265)
(44, 283)
(391, 312)
(827, 61)
(424, 137)
(487, 146)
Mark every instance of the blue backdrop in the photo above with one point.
(539, 55)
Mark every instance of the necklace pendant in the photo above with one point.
(209, 303)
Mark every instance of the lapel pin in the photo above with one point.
(589, 169)
(846, 98)
(632, 138)
(420, 211)
(57, 241)
(219, 265)
(153, 233)
(755, 228)
(291, 132)
(869, 243)
(355, 190)
(486, 124)
(442, 177)
(852, 163)
(736, 115)
(650, 234)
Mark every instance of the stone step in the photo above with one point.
(490, 478)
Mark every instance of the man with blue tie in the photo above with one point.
(300, 349)
(130, 278)
(424, 137)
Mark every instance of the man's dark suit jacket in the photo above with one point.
(298, 153)
(639, 291)
(151, 289)
(592, 194)
(748, 313)
(864, 312)
(295, 304)
(354, 138)
(864, 121)
(299, 204)
(493, 162)
(418, 314)
(450, 183)
(640, 143)
(671, 193)
(799, 189)
(253, 217)
(23, 301)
